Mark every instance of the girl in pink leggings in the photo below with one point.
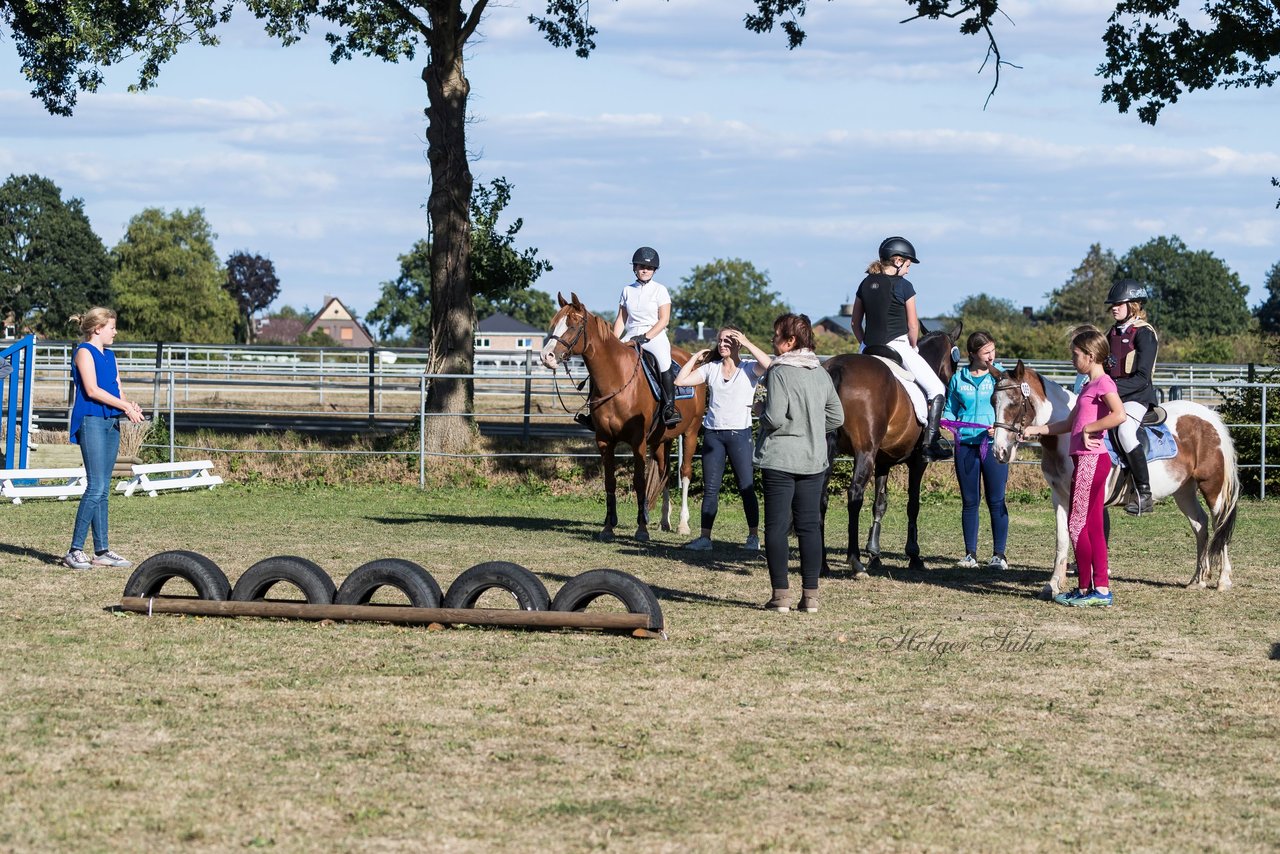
(1097, 409)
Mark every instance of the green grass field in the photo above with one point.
(935, 710)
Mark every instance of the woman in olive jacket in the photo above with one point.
(801, 407)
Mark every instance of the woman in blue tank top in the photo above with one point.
(95, 427)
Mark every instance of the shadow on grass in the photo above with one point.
(19, 551)
(941, 571)
(575, 527)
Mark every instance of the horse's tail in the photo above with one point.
(1224, 509)
(654, 473)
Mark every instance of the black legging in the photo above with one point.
(793, 500)
(735, 445)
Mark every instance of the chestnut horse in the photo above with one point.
(1206, 461)
(880, 430)
(623, 409)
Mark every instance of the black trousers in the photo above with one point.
(792, 500)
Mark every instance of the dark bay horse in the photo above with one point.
(623, 409)
(880, 431)
(1206, 462)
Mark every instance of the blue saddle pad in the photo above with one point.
(1158, 443)
(683, 392)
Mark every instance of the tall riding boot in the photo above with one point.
(933, 450)
(670, 416)
(1141, 483)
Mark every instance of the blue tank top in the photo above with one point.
(108, 377)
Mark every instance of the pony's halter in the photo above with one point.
(1026, 407)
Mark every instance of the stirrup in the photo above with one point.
(1140, 506)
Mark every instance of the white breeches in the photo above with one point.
(919, 368)
(1128, 431)
(660, 347)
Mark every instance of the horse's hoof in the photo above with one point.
(605, 536)
(642, 536)
(861, 574)
(874, 564)
(1224, 586)
(666, 526)
(684, 527)
(916, 564)
(1048, 592)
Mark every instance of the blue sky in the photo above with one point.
(687, 133)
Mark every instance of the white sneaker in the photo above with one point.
(970, 562)
(702, 544)
(77, 559)
(998, 562)
(752, 544)
(110, 558)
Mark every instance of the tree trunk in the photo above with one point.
(449, 402)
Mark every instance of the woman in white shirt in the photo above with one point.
(731, 384)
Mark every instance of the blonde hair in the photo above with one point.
(92, 320)
(878, 266)
(1136, 311)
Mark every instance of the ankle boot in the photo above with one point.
(781, 601)
(670, 416)
(933, 450)
(584, 418)
(809, 601)
(1141, 483)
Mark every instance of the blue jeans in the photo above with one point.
(99, 444)
(793, 500)
(735, 445)
(977, 476)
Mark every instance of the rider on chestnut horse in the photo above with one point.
(644, 312)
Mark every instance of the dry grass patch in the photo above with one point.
(942, 709)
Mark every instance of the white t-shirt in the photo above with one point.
(729, 401)
(642, 303)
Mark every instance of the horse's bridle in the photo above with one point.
(592, 403)
(568, 345)
(1026, 408)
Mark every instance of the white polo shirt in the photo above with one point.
(642, 303)
(729, 401)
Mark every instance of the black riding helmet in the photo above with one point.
(1126, 290)
(897, 246)
(647, 256)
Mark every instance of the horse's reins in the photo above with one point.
(568, 350)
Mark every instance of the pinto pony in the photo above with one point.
(623, 409)
(1206, 462)
(880, 430)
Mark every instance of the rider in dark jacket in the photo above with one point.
(1132, 364)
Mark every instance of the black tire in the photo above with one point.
(404, 575)
(638, 598)
(315, 584)
(529, 591)
(197, 570)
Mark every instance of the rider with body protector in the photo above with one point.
(1132, 364)
(644, 311)
(888, 302)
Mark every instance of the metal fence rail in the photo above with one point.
(383, 390)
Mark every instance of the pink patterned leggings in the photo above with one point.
(1084, 524)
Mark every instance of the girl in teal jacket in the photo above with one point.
(977, 471)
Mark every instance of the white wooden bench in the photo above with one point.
(152, 477)
(62, 483)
